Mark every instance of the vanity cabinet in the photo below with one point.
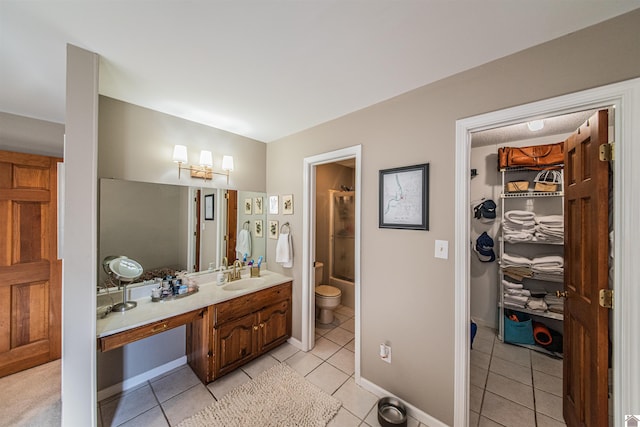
(236, 331)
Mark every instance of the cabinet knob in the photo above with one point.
(255, 327)
(262, 325)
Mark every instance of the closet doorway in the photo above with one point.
(625, 176)
(525, 380)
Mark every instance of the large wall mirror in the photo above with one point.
(176, 227)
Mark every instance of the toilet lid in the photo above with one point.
(327, 291)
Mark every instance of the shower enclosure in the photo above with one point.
(342, 234)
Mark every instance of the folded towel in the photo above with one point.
(517, 216)
(537, 304)
(511, 285)
(284, 250)
(551, 220)
(243, 243)
(518, 299)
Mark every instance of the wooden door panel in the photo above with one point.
(235, 343)
(30, 273)
(273, 322)
(586, 340)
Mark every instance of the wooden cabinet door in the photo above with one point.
(274, 323)
(199, 345)
(235, 343)
(30, 273)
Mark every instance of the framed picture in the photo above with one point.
(257, 228)
(257, 206)
(287, 204)
(404, 197)
(273, 229)
(208, 207)
(273, 205)
(247, 206)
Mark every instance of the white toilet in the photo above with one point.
(327, 297)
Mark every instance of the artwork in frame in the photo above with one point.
(257, 228)
(273, 229)
(247, 206)
(273, 205)
(287, 204)
(404, 197)
(257, 206)
(208, 207)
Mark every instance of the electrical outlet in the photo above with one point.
(385, 353)
(442, 249)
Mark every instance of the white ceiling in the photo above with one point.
(266, 68)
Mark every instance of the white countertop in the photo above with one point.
(209, 293)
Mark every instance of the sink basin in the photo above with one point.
(243, 284)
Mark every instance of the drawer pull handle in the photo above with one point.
(262, 325)
(255, 327)
(159, 328)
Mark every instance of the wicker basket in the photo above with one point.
(516, 186)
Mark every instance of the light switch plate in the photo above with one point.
(442, 249)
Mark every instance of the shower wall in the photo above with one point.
(331, 176)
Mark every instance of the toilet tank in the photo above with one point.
(318, 272)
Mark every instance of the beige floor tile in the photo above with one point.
(355, 399)
(483, 345)
(175, 383)
(511, 370)
(549, 383)
(549, 404)
(510, 389)
(324, 348)
(547, 364)
(187, 403)
(284, 351)
(349, 325)
(344, 418)
(478, 376)
(474, 417)
(259, 365)
(506, 412)
(351, 345)
(486, 422)
(344, 360)
(127, 406)
(321, 331)
(327, 377)
(545, 421)
(340, 336)
(512, 353)
(339, 319)
(485, 333)
(480, 359)
(225, 384)
(303, 362)
(154, 417)
(475, 398)
(347, 311)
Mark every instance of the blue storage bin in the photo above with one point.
(520, 332)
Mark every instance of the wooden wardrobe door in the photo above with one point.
(30, 273)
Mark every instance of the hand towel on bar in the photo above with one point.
(284, 250)
(243, 243)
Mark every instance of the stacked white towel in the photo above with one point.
(555, 304)
(519, 226)
(550, 264)
(537, 304)
(509, 260)
(549, 228)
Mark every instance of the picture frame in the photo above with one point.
(208, 207)
(273, 205)
(273, 229)
(404, 197)
(257, 228)
(248, 203)
(287, 204)
(257, 205)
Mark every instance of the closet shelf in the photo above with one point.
(531, 242)
(557, 278)
(530, 194)
(547, 314)
(528, 169)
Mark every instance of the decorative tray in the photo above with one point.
(173, 297)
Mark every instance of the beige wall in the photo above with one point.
(408, 295)
(27, 135)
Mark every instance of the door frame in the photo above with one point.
(625, 98)
(309, 243)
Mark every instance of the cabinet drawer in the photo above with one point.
(118, 340)
(250, 303)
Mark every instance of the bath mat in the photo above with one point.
(277, 397)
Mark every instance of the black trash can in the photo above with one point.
(391, 412)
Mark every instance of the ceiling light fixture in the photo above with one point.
(205, 169)
(535, 125)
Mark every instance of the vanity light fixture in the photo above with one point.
(205, 169)
(535, 125)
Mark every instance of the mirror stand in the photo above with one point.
(125, 304)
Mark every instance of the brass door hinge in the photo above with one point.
(226, 194)
(606, 298)
(607, 152)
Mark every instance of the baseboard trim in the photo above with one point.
(135, 381)
(296, 343)
(412, 411)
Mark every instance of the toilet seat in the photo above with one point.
(327, 291)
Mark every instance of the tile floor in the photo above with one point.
(513, 386)
(176, 395)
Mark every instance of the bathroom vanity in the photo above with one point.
(226, 326)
